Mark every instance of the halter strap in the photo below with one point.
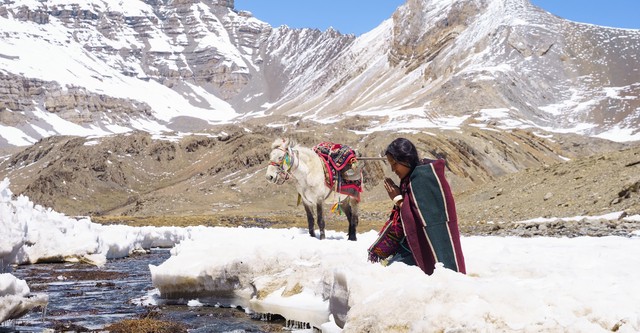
(287, 162)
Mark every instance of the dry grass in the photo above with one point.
(226, 220)
(146, 325)
(277, 219)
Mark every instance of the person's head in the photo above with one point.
(402, 156)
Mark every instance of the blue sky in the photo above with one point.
(360, 16)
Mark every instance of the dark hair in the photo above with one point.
(403, 151)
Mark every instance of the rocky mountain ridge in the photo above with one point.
(188, 65)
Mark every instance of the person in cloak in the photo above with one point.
(423, 227)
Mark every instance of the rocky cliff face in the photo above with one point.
(475, 55)
(76, 104)
(160, 40)
(204, 52)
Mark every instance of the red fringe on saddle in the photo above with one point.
(337, 158)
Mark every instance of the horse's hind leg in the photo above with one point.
(351, 211)
(309, 212)
(346, 208)
(320, 219)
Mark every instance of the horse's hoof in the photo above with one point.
(352, 238)
(322, 235)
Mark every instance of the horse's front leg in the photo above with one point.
(320, 219)
(307, 209)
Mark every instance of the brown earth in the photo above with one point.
(590, 186)
(218, 178)
(577, 190)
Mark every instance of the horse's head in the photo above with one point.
(280, 161)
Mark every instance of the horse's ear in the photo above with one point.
(288, 142)
(279, 142)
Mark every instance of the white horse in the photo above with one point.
(289, 160)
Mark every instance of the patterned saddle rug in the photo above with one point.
(339, 160)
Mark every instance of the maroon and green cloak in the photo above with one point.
(427, 219)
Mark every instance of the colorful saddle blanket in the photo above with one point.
(338, 158)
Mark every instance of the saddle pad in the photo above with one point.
(336, 158)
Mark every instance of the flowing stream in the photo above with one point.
(83, 296)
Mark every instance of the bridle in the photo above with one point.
(285, 164)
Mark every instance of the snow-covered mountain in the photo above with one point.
(98, 67)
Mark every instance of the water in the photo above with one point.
(85, 296)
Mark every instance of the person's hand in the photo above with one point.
(392, 189)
